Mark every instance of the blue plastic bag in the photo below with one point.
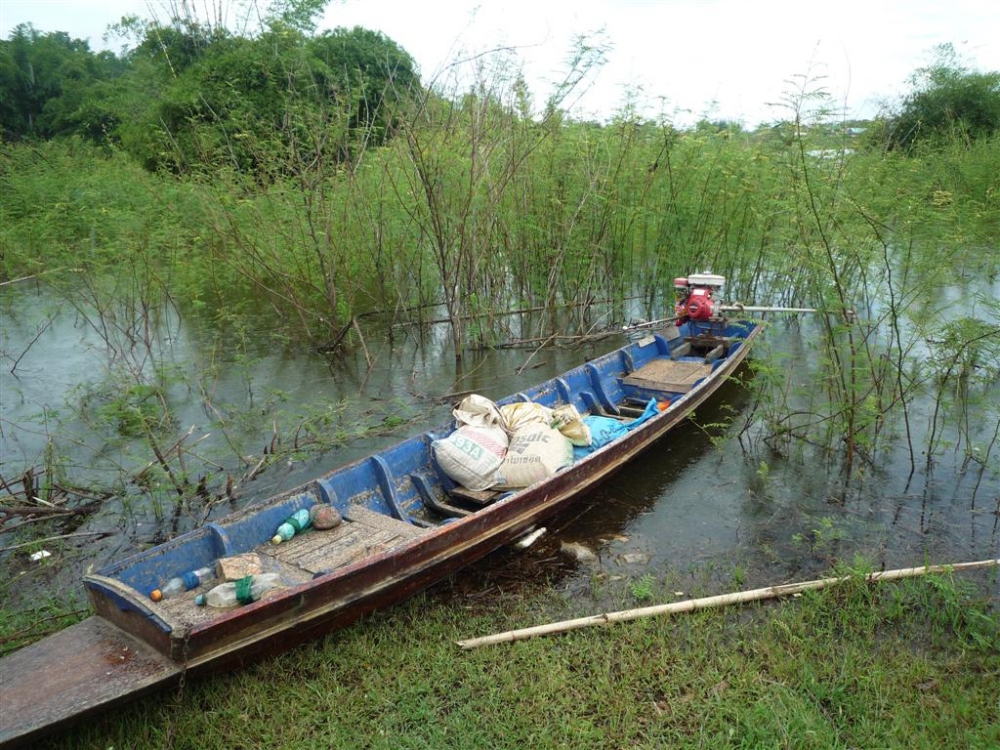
(651, 411)
(604, 430)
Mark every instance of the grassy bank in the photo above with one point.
(912, 664)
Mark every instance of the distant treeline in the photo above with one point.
(317, 171)
(187, 94)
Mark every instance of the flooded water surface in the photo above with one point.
(707, 497)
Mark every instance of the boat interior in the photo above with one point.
(399, 494)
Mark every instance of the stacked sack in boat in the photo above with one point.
(511, 446)
(472, 454)
(536, 451)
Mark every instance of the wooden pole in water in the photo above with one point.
(752, 308)
(725, 308)
(648, 324)
(739, 597)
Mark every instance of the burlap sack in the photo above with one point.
(568, 421)
(524, 413)
(535, 453)
(477, 411)
(471, 455)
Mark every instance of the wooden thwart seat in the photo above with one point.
(715, 353)
(681, 351)
(668, 375)
(360, 514)
(481, 498)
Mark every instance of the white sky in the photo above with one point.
(725, 59)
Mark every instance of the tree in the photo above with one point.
(368, 73)
(947, 101)
(253, 103)
(296, 14)
(44, 80)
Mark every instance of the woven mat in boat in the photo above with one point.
(668, 375)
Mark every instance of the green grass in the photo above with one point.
(912, 664)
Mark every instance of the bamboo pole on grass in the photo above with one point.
(739, 597)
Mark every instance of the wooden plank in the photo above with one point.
(668, 375)
(360, 514)
(681, 350)
(715, 353)
(631, 411)
(448, 510)
(311, 551)
(88, 666)
(429, 496)
(478, 497)
(322, 558)
(362, 534)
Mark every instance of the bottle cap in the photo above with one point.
(156, 595)
(276, 539)
(200, 600)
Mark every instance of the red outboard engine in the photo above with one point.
(699, 304)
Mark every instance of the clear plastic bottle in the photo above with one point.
(243, 591)
(180, 584)
(296, 523)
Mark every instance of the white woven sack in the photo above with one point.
(471, 455)
(523, 413)
(478, 411)
(536, 452)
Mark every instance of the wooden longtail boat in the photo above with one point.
(406, 525)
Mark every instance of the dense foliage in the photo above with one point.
(313, 178)
(49, 83)
(195, 97)
(947, 101)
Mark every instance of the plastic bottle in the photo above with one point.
(294, 524)
(243, 591)
(180, 584)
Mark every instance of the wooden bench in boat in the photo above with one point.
(363, 533)
(707, 348)
(668, 375)
(482, 498)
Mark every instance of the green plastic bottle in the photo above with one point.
(296, 523)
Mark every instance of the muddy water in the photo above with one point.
(690, 505)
